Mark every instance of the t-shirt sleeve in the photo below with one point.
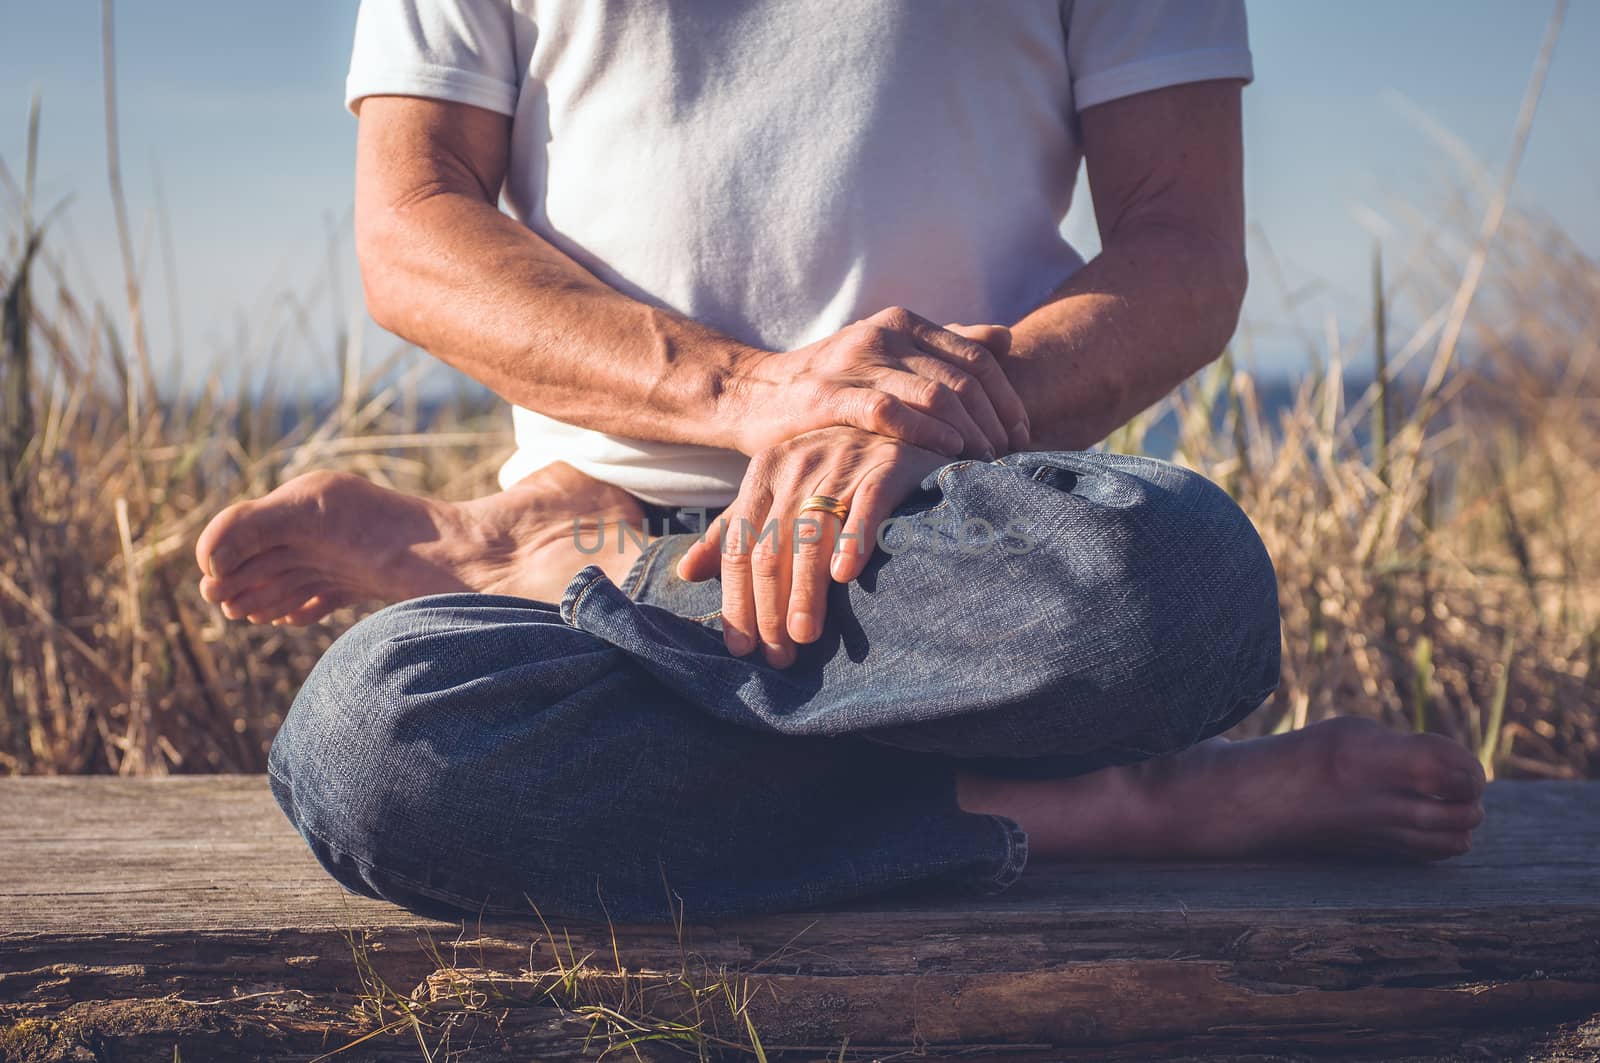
(1118, 48)
(463, 51)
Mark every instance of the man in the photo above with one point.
(719, 220)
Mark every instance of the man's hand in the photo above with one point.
(443, 267)
(775, 561)
(894, 374)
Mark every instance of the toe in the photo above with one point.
(1408, 843)
(316, 608)
(293, 512)
(238, 534)
(268, 601)
(1429, 814)
(1443, 768)
(228, 540)
(268, 566)
(1427, 764)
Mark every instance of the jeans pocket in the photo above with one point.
(1063, 480)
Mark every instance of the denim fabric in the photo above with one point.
(609, 757)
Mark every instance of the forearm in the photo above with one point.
(446, 269)
(452, 274)
(1154, 307)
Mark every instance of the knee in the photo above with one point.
(418, 730)
(412, 684)
(359, 696)
(1222, 556)
(1203, 547)
(341, 765)
(1171, 577)
(1212, 602)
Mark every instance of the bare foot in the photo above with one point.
(1347, 786)
(325, 540)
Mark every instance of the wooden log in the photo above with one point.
(124, 894)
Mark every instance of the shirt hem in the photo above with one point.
(433, 83)
(1162, 72)
(523, 463)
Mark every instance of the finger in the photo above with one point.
(771, 570)
(703, 559)
(960, 348)
(870, 506)
(995, 342)
(738, 593)
(877, 492)
(815, 534)
(882, 413)
(926, 393)
(997, 338)
(973, 398)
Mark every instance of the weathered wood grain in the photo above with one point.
(196, 888)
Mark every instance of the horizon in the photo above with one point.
(247, 150)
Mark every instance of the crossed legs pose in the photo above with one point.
(551, 712)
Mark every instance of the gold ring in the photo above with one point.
(825, 504)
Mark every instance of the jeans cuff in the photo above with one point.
(1015, 858)
(584, 582)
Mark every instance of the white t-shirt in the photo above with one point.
(777, 169)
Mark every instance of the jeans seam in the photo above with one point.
(949, 470)
(940, 477)
(569, 613)
(642, 568)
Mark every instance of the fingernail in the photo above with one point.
(803, 627)
(1019, 432)
(778, 656)
(738, 643)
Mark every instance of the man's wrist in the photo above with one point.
(737, 391)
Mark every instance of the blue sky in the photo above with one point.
(234, 112)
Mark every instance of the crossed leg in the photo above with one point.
(1342, 787)
(325, 540)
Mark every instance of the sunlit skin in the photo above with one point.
(861, 416)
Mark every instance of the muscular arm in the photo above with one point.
(1162, 298)
(444, 268)
(1159, 302)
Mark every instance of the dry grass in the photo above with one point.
(109, 659)
(1439, 569)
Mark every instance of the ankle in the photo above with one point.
(1101, 815)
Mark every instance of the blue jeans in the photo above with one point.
(607, 756)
